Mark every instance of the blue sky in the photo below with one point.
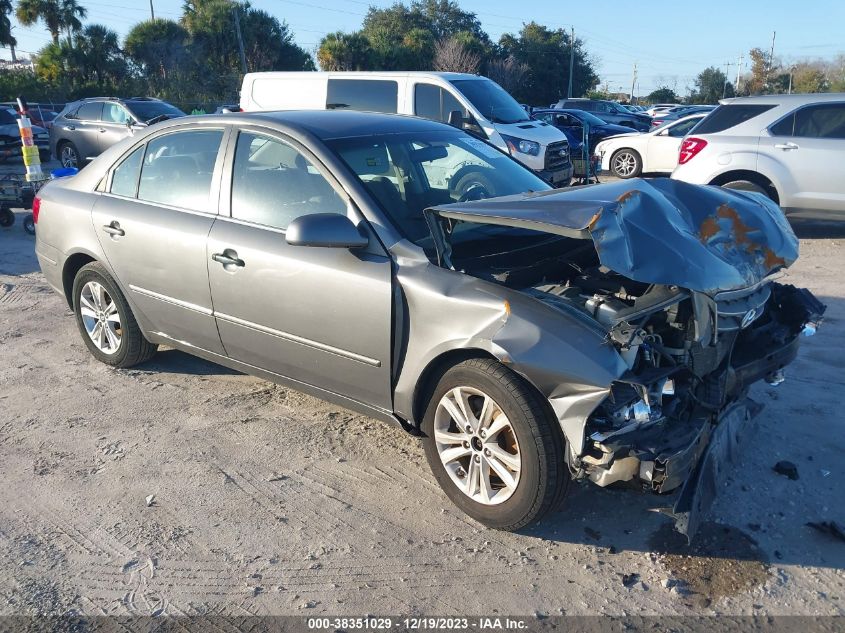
(670, 41)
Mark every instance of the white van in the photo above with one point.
(478, 105)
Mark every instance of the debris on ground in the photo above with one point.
(787, 469)
(629, 580)
(831, 528)
(150, 500)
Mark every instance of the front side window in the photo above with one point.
(366, 95)
(115, 113)
(407, 173)
(817, 121)
(178, 168)
(90, 111)
(124, 180)
(273, 183)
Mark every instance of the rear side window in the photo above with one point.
(124, 180)
(178, 167)
(369, 95)
(432, 102)
(817, 121)
(90, 111)
(727, 116)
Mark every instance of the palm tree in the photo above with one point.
(48, 11)
(71, 14)
(6, 37)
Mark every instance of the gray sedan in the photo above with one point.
(410, 271)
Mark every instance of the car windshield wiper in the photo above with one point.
(156, 119)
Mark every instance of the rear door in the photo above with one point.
(810, 144)
(153, 221)
(320, 316)
(85, 128)
(663, 147)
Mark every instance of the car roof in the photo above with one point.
(793, 99)
(331, 124)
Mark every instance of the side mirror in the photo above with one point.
(456, 119)
(326, 230)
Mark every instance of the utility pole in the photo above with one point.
(571, 62)
(791, 70)
(240, 38)
(152, 11)
(738, 73)
(633, 82)
(725, 85)
(771, 58)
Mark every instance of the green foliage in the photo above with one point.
(663, 94)
(710, 86)
(546, 53)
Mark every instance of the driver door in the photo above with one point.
(315, 315)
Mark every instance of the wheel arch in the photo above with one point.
(70, 269)
(750, 175)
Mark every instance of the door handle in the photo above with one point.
(786, 146)
(102, 129)
(229, 259)
(114, 229)
(69, 127)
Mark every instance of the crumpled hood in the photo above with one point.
(663, 231)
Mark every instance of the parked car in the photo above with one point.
(789, 147)
(661, 107)
(585, 163)
(531, 339)
(88, 127)
(472, 103)
(609, 112)
(675, 114)
(574, 121)
(629, 155)
(10, 136)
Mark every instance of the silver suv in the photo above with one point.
(86, 128)
(789, 147)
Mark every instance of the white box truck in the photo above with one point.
(476, 104)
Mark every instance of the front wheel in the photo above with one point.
(493, 446)
(106, 322)
(626, 163)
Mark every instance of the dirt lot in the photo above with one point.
(268, 501)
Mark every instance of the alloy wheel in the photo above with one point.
(477, 445)
(624, 164)
(69, 157)
(100, 317)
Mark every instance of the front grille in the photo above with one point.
(557, 155)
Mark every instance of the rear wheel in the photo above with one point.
(747, 185)
(105, 320)
(493, 446)
(626, 163)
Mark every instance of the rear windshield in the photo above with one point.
(727, 116)
(7, 118)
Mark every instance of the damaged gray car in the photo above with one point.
(410, 271)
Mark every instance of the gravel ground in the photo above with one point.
(267, 501)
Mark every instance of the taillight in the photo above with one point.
(656, 123)
(689, 148)
(36, 209)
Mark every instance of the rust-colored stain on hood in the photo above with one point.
(734, 229)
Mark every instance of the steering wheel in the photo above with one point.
(476, 191)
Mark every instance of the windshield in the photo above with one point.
(491, 100)
(407, 173)
(146, 110)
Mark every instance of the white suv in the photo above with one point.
(789, 147)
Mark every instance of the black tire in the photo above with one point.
(544, 476)
(64, 151)
(633, 159)
(747, 185)
(29, 224)
(44, 156)
(133, 348)
(7, 217)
